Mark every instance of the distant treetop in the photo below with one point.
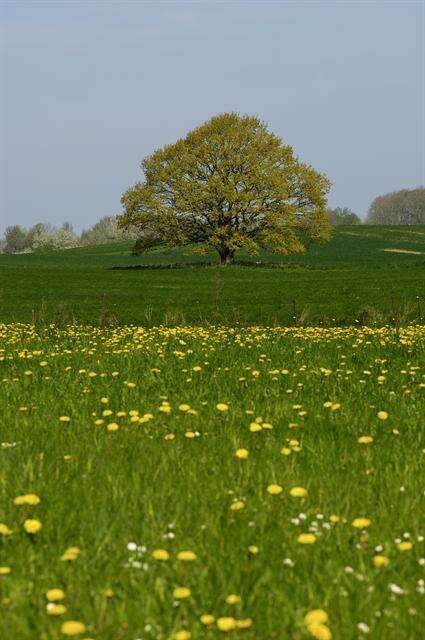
(342, 215)
(403, 207)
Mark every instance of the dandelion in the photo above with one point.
(361, 523)
(186, 556)
(382, 415)
(380, 561)
(255, 426)
(53, 595)
(184, 407)
(238, 505)
(365, 439)
(64, 419)
(32, 526)
(274, 489)
(182, 635)
(226, 624)
(242, 453)
(253, 549)
(70, 554)
(306, 538)
(245, 623)
(315, 616)
(4, 571)
(298, 492)
(28, 498)
(233, 599)
(179, 593)
(4, 530)
(160, 554)
(112, 426)
(207, 618)
(72, 628)
(406, 545)
(221, 406)
(55, 609)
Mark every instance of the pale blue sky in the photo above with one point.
(90, 88)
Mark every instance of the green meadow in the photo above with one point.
(191, 452)
(365, 275)
(178, 483)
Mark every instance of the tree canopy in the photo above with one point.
(342, 215)
(399, 207)
(229, 184)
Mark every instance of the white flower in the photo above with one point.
(394, 588)
(288, 562)
(132, 546)
(379, 548)
(295, 521)
(363, 627)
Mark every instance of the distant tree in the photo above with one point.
(403, 207)
(35, 231)
(16, 239)
(229, 184)
(342, 215)
(106, 230)
(51, 238)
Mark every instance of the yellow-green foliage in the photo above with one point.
(229, 184)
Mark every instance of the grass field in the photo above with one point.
(351, 279)
(287, 463)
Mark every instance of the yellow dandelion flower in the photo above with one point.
(169, 436)
(179, 593)
(186, 556)
(285, 451)
(28, 498)
(64, 419)
(365, 439)
(274, 489)
(184, 407)
(72, 628)
(306, 538)
(320, 631)
(315, 616)
(70, 554)
(233, 598)
(55, 609)
(334, 518)
(382, 415)
(4, 530)
(207, 618)
(53, 595)
(298, 492)
(226, 624)
(253, 549)
(221, 406)
(32, 526)
(182, 635)
(190, 435)
(405, 545)
(237, 506)
(160, 554)
(108, 593)
(4, 571)
(380, 561)
(112, 426)
(255, 426)
(242, 453)
(361, 523)
(245, 623)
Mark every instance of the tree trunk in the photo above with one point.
(226, 256)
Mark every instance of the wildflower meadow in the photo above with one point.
(210, 482)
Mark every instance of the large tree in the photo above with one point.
(229, 184)
(399, 207)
